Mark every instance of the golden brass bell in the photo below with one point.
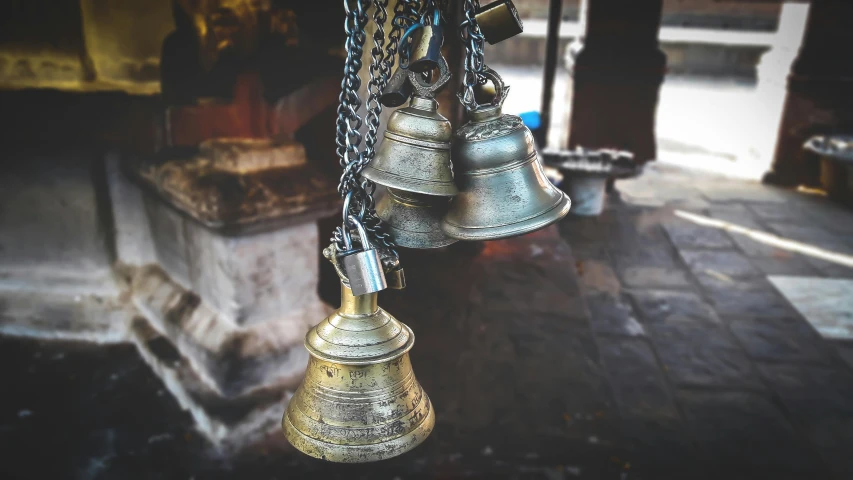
(414, 220)
(415, 152)
(503, 190)
(359, 401)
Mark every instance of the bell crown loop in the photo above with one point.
(489, 110)
(426, 89)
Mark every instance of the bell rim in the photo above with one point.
(295, 436)
(421, 240)
(425, 187)
(358, 361)
(498, 232)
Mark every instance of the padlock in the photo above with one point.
(499, 21)
(398, 90)
(363, 267)
(426, 48)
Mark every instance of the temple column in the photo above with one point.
(617, 73)
(819, 86)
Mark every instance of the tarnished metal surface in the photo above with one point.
(414, 220)
(415, 153)
(503, 190)
(224, 186)
(360, 401)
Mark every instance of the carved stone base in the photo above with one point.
(231, 360)
(47, 305)
(230, 424)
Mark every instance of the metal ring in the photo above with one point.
(428, 90)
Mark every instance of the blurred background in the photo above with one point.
(168, 180)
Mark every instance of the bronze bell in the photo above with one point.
(359, 401)
(415, 153)
(414, 220)
(503, 190)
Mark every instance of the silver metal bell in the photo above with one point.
(415, 152)
(503, 190)
(414, 220)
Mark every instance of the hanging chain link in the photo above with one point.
(358, 191)
(474, 43)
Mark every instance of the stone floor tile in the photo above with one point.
(845, 351)
(654, 255)
(830, 269)
(826, 303)
(686, 234)
(752, 297)
(787, 264)
(654, 277)
(811, 390)
(735, 214)
(597, 277)
(755, 248)
(781, 339)
(729, 263)
(773, 212)
(702, 356)
(833, 440)
(818, 400)
(660, 449)
(805, 233)
(590, 251)
(612, 315)
(746, 436)
(661, 306)
(638, 385)
(584, 230)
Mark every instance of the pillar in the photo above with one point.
(617, 74)
(818, 98)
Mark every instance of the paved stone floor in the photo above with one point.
(647, 343)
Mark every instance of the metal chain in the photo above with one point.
(358, 191)
(474, 43)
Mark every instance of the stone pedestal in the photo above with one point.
(233, 286)
(819, 86)
(617, 75)
(56, 277)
